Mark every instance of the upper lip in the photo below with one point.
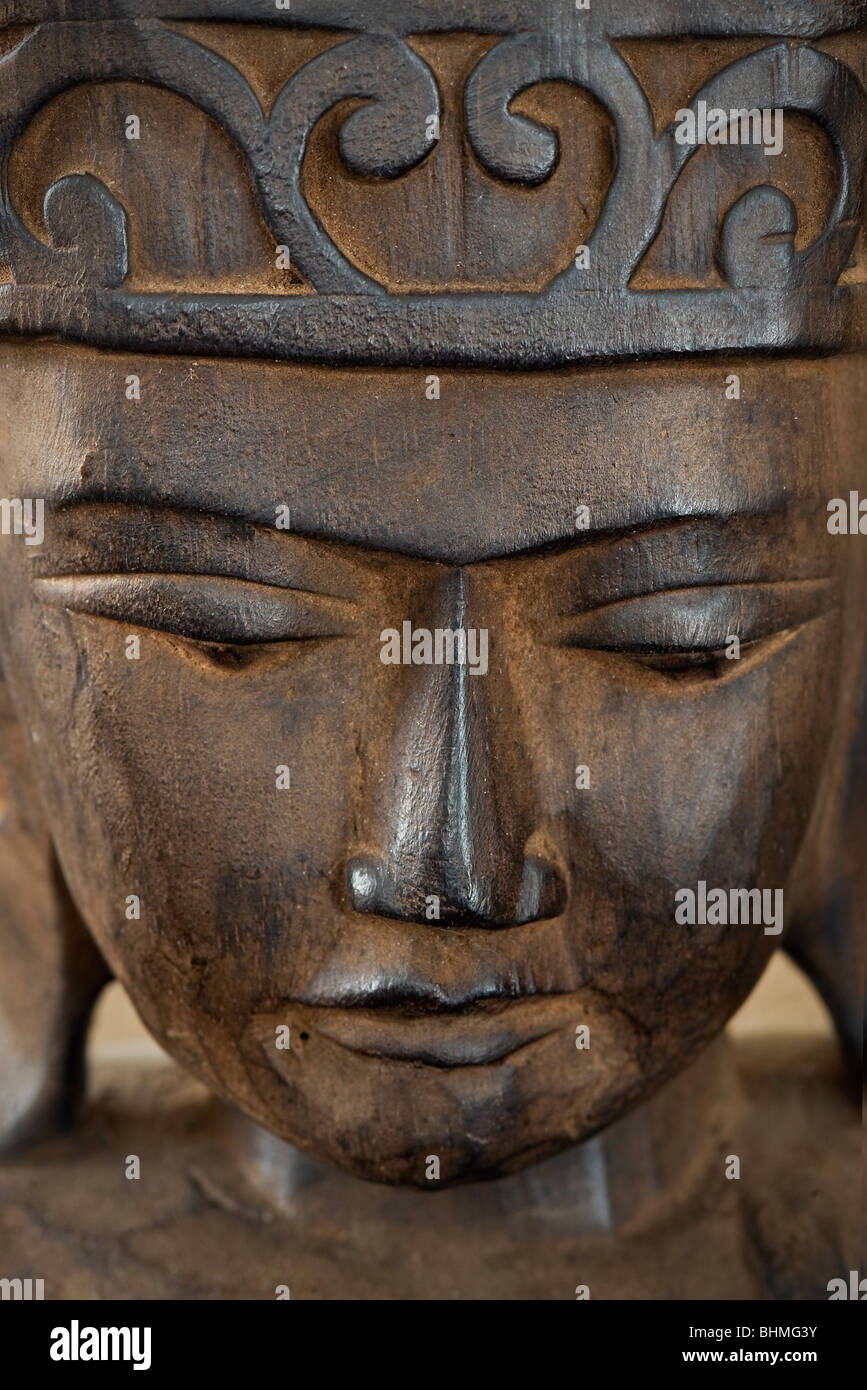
(440, 982)
(452, 998)
(412, 996)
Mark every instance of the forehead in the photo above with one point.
(461, 467)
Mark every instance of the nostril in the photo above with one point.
(543, 891)
(363, 883)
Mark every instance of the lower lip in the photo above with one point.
(478, 1036)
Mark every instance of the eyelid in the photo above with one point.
(695, 618)
(203, 607)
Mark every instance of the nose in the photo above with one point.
(453, 824)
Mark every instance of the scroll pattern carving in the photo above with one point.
(392, 132)
(384, 139)
(792, 79)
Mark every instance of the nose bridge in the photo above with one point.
(466, 846)
(457, 809)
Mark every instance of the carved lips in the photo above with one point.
(480, 1034)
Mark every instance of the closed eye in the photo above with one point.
(683, 629)
(203, 608)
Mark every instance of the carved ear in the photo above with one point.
(828, 939)
(50, 970)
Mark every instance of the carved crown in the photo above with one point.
(488, 182)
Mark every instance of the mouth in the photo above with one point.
(426, 1030)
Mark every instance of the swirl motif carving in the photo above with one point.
(388, 136)
(513, 147)
(384, 139)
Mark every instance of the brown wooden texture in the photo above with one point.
(216, 788)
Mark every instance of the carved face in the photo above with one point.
(432, 873)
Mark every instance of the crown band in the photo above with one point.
(773, 297)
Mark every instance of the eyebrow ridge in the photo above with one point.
(572, 541)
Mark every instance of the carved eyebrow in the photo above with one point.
(663, 524)
(105, 536)
(356, 553)
(739, 549)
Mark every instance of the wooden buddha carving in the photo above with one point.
(432, 636)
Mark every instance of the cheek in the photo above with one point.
(222, 790)
(162, 777)
(713, 782)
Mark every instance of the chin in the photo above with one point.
(432, 1123)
